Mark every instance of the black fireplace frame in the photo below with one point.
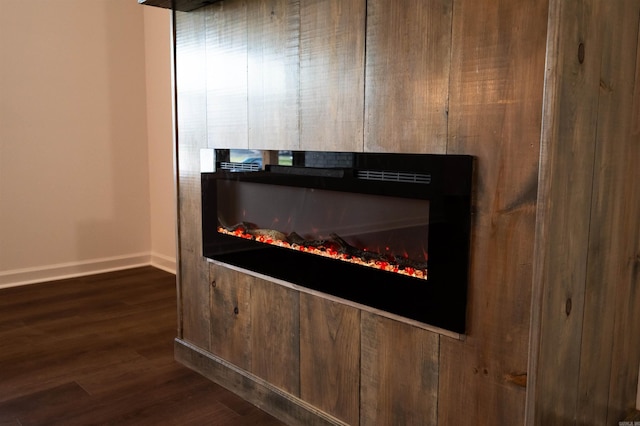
(439, 301)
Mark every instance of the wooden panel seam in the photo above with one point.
(259, 392)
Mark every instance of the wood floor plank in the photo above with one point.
(52, 403)
(156, 403)
(99, 350)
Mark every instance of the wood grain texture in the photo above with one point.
(496, 88)
(399, 380)
(231, 315)
(275, 335)
(407, 75)
(560, 213)
(191, 104)
(274, 74)
(626, 343)
(226, 67)
(563, 214)
(635, 114)
(332, 36)
(330, 357)
(609, 294)
(291, 410)
(577, 257)
(99, 349)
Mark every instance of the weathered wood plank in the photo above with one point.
(626, 343)
(330, 357)
(231, 316)
(191, 86)
(289, 409)
(275, 335)
(332, 34)
(497, 76)
(407, 75)
(273, 72)
(399, 380)
(608, 293)
(226, 67)
(496, 86)
(635, 115)
(572, 86)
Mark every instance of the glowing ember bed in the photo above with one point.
(389, 231)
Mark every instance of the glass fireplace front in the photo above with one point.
(389, 231)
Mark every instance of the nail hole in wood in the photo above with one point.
(236, 310)
(581, 52)
(567, 306)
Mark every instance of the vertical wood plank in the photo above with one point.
(332, 34)
(626, 346)
(273, 67)
(231, 316)
(407, 75)
(567, 170)
(275, 335)
(330, 357)
(623, 386)
(192, 135)
(227, 87)
(635, 115)
(571, 346)
(399, 380)
(607, 295)
(496, 86)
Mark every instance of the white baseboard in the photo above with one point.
(166, 263)
(16, 277)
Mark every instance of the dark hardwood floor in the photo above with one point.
(98, 350)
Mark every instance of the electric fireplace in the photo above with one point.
(388, 231)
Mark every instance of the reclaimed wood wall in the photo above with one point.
(497, 67)
(586, 314)
(191, 123)
(407, 75)
(555, 131)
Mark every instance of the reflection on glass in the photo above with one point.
(254, 156)
(387, 233)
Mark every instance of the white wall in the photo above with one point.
(157, 28)
(76, 162)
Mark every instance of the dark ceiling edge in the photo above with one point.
(181, 5)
